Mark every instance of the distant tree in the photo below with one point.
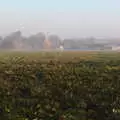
(1, 38)
(55, 40)
(10, 40)
(6, 44)
(91, 40)
(36, 41)
(69, 43)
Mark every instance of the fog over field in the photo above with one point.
(47, 41)
(83, 25)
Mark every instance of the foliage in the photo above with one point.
(82, 90)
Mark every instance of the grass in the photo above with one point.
(65, 56)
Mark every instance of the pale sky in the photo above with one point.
(67, 18)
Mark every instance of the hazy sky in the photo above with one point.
(67, 18)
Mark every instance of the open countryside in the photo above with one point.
(69, 85)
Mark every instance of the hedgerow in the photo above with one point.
(84, 90)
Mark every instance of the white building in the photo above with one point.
(116, 48)
(61, 48)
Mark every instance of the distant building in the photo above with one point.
(116, 48)
(61, 48)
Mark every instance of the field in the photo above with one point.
(60, 85)
(63, 57)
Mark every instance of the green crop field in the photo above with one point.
(61, 56)
(68, 85)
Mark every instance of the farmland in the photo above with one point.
(59, 85)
